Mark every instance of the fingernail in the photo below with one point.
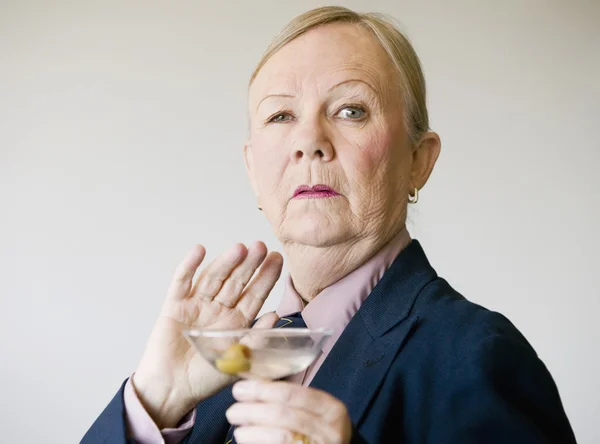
(231, 413)
(239, 434)
(242, 388)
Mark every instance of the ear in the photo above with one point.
(424, 157)
(249, 162)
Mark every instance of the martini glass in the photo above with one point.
(266, 354)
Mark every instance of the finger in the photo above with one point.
(184, 274)
(259, 288)
(212, 277)
(293, 395)
(258, 341)
(262, 435)
(268, 320)
(277, 416)
(240, 276)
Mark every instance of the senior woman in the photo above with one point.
(339, 146)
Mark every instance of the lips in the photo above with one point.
(314, 192)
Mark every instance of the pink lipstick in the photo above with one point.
(314, 192)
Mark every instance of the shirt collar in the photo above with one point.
(334, 306)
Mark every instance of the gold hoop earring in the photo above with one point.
(414, 198)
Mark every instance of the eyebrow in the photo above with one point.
(273, 95)
(337, 85)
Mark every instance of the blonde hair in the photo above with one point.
(392, 40)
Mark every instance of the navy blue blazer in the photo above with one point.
(418, 363)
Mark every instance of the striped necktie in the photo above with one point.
(292, 321)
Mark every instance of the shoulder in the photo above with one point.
(455, 339)
(467, 348)
(458, 324)
(478, 372)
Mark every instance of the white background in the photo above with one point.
(121, 127)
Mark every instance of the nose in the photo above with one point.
(312, 144)
(322, 152)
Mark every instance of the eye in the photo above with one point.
(279, 118)
(353, 112)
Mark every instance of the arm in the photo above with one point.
(171, 379)
(112, 424)
(143, 430)
(125, 420)
(500, 393)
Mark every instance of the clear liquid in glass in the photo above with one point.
(272, 364)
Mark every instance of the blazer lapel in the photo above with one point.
(360, 359)
(357, 365)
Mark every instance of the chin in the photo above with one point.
(315, 230)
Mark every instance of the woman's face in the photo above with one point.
(329, 154)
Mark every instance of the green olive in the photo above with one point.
(234, 360)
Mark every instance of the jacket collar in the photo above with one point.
(362, 356)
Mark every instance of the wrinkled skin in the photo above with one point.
(325, 109)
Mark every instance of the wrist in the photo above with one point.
(165, 405)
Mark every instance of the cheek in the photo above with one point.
(270, 161)
(378, 168)
(372, 156)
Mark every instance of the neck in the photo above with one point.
(315, 268)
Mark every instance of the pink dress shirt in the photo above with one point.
(332, 308)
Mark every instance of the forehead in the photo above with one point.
(323, 57)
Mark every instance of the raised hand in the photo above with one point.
(172, 377)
